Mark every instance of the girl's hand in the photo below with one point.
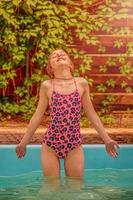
(110, 147)
(20, 150)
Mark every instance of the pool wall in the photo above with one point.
(96, 157)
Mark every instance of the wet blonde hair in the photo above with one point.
(49, 67)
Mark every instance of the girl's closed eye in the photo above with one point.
(54, 56)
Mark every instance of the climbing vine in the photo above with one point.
(30, 30)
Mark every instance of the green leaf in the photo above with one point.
(16, 2)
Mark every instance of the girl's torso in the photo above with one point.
(63, 133)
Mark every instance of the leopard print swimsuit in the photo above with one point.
(63, 133)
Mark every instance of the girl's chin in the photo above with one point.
(62, 63)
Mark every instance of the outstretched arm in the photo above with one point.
(37, 116)
(95, 120)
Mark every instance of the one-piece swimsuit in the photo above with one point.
(63, 134)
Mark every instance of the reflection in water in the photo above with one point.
(48, 186)
(55, 187)
(97, 185)
(76, 189)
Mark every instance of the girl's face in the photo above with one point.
(59, 58)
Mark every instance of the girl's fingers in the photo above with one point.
(20, 152)
(115, 151)
(117, 145)
(112, 152)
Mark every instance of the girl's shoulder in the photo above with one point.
(82, 81)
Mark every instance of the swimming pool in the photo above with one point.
(105, 177)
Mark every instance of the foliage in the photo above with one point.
(30, 30)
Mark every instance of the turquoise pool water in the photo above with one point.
(105, 177)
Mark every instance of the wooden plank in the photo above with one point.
(107, 42)
(118, 78)
(121, 98)
(116, 89)
(98, 61)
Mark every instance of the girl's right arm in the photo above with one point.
(38, 115)
(35, 120)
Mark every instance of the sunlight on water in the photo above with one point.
(97, 185)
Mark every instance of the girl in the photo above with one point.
(65, 96)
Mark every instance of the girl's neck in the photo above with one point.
(63, 78)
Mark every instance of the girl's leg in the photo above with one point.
(74, 163)
(51, 171)
(50, 162)
(74, 168)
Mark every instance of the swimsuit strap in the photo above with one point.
(52, 84)
(75, 83)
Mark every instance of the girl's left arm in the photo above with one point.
(94, 119)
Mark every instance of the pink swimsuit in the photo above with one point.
(63, 133)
